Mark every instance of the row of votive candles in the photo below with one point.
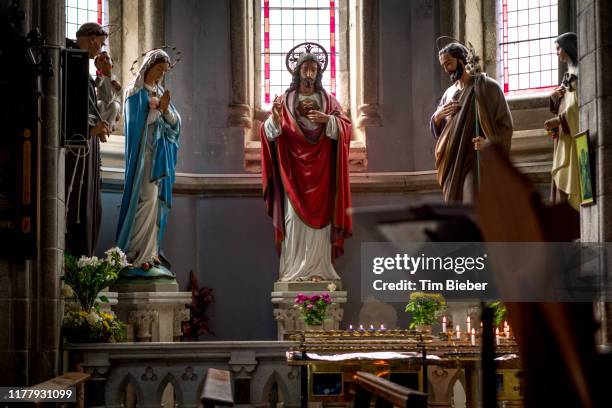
(472, 332)
(371, 328)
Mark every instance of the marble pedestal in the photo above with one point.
(153, 316)
(289, 318)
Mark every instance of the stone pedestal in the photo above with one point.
(153, 316)
(288, 317)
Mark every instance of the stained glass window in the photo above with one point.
(286, 23)
(527, 57)
(83, 11)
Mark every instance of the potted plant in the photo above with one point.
(499, 312)
(84, 278)
(201, 298)
(425, 308)
(313, 308)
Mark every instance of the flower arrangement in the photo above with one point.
(425, 308)
(84, 278)
(87, 276)
(93, 327)
(313, 307)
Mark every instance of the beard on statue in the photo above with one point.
(457, 73)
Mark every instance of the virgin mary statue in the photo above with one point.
(152, 127)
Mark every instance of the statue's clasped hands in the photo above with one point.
(160, 104)
(164, 101)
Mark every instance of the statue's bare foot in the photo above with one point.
(156, 260)
(316, 278)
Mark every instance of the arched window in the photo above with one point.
(263, 31)
(284, 24)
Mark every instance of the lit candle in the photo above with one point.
(444, 324)
(458, 333)
(361, 327)
(507, 329)
(371, 327)
(497, 336)
(473, 337)
(481, 327)
(469, 326)
(382, 327)
(350, 327)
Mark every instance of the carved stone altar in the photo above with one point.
(288, 318)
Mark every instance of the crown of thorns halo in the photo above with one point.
(173, 53)
(296, 52)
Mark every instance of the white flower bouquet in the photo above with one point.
(84, 278)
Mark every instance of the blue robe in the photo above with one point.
(165, 147)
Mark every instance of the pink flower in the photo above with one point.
(309, 306)
(314, 298)
(300, 298)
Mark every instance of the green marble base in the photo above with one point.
(157, 271)
(156, 279)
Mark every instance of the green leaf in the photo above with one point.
(103, 299)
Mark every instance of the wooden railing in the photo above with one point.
(387, 394)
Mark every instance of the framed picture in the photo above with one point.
(584, 168)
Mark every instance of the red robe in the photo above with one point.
(312, 172)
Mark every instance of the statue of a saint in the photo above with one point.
(305, 148)
(152, 128)
(108, 90)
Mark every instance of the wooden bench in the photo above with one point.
(387, 393)
(65, 381)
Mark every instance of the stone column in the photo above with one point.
(142, 29)
(240, 112)
(46, 308)
(595, 91)
(367, 108)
